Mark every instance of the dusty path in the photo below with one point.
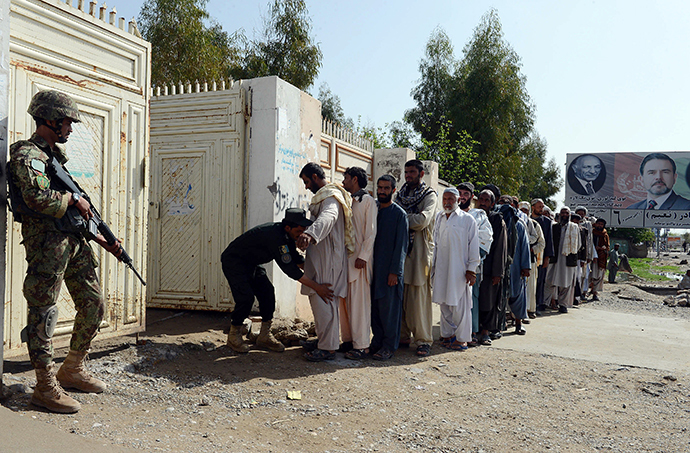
(563, 387)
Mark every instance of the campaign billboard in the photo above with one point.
(632, 190)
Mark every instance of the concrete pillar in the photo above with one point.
(284, 133)
(392, 162)
(4, 109)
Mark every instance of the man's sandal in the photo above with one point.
(383, 354)
(458, 346)
(319, 355)
(355, 354)
(423, 350)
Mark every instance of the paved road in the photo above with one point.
(609, 337)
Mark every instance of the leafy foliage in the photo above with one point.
(330, 106)
(286, 48)
(634, 235)
(484, 95)
(457, 160)
(184, 48)
(187, 45)
(432, 94)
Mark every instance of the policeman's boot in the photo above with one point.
(267, 340)
(50, 395)
(73, 375)
(235, 340)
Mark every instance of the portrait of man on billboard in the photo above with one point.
(586, 174)
(658, 172)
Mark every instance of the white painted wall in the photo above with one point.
(4, 94)
(281, 139)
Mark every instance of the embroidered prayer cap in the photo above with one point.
(452, 190)
(575, 217)
(537, 200)
(523, 205)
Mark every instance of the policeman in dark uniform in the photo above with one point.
(242, 261)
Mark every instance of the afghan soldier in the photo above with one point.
(55, 253)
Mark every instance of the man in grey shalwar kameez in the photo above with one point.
(327, 242)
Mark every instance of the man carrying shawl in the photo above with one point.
(328, 242)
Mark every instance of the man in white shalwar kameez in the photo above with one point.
(328, 241)
(567, 236)
(355, 309)
(456, 257)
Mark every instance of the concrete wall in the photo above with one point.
(281, 139)
(4, 94)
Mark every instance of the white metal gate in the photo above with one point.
(197, 146)
(106, 70)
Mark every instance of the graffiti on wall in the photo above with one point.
(284, 199)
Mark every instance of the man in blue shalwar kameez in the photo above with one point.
(520, 267)
(390, 249)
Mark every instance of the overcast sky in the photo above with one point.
(604, 75)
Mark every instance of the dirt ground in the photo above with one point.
(180, 389)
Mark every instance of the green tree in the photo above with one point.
(491, 103)
(286, 48)
(331, 109)
(183, 47)
(540, 178)
(435, 85)
(402, 135)
(634, 235)
(457, 160)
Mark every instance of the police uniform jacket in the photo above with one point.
(262, 244)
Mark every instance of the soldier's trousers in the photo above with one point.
(52, 258)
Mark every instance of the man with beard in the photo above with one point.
(456, 256)
(581, 257)
(589, 251)
(519, 268)
(355, 309)
(419, 202)
(601, 245)
(328, 242)
(567, 235)
(545, 224)
(390, 249)
(536, 245)
(494, 265)
(659, 175)
(485, 235)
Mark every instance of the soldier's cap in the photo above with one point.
(468, 186)
(297, 216)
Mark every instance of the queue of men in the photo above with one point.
(369, 266)
(373, 268)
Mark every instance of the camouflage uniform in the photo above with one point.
(52, 256)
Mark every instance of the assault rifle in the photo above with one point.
(73, 221)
